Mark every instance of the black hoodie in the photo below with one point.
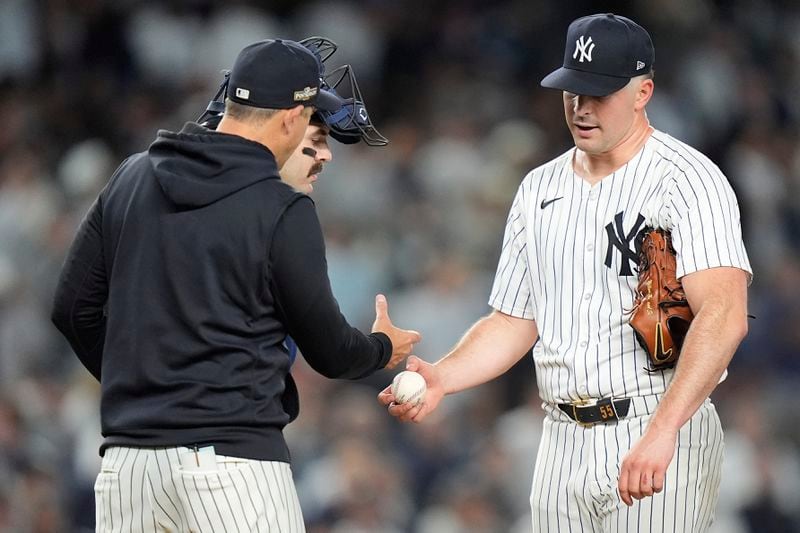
(182, 283)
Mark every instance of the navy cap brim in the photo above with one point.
(583, 83)
(327, 101)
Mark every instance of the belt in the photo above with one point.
(592, 412)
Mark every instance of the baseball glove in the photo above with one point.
(661, 314)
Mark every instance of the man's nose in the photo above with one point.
(581, 104)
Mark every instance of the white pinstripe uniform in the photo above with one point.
(152, 485)
(567, 262)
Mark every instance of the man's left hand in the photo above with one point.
(645, 465)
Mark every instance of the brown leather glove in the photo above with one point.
(661, 315)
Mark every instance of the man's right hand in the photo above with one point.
(408, 412)
(403, 340)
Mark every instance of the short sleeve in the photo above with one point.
(706, 224)
(511, 291)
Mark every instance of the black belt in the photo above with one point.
(603, 411)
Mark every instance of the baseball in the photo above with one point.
(408, 386)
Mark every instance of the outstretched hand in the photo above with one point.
(409, 412)
(403, 340)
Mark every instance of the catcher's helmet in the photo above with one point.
(350, 124)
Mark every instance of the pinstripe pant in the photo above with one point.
(577, 469)
(146, 490)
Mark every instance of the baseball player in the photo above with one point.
(187, 274)
(624, 448)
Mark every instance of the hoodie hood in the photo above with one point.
(197, 167)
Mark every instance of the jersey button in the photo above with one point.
(583, 344)
(590, 247)
(587, 296)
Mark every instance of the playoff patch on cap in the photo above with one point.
(306, 94)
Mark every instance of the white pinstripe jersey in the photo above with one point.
(568, 260)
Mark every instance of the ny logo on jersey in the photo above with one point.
(584, 48)
(617, 238)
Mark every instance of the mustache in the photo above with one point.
(316, 169)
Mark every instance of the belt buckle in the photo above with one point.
(583, 403)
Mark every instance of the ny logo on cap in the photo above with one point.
(584, 48)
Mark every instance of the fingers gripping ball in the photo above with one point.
(408, 386)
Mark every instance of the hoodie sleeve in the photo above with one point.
(81, 293)
(299, 281)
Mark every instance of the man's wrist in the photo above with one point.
(387, 348)
(661, 423)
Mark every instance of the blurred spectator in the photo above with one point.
(20, 47)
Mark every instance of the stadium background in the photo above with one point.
(454, 85)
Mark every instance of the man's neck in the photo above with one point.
(262, 136)
(594, 167)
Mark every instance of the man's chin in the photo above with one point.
(308, 187)
(590, 146)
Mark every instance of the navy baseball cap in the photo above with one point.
(602, 54)
(279, 74)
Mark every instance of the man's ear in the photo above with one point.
(644, 93)
(290, 116)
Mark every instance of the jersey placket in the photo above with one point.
(589, 196)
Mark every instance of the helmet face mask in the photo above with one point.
(349, 125)
(352, 122)
(322, 47)
(216, 107)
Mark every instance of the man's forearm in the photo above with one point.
(488, 349)
(716, 332)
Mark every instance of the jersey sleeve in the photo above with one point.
(706, 224)
(511, 291)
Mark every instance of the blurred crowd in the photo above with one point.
(454, 85)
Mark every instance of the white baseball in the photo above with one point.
(408, 386)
